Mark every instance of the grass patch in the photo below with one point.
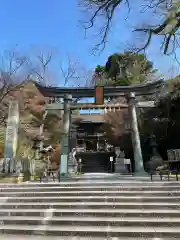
(77, 174)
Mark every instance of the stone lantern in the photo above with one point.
(36, 146)
(47, 152)
(155, 159)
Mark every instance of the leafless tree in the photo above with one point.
(70, 69)
(74, 73)
(40, 65)
(115, 125)
(13, 75)
(70, 72)
(161, 17)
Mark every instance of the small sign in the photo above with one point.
(173, 154)
(177, 154)
(111, 159)
(148, 104)
(127, 161)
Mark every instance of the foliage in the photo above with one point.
(24, 148)
(164, 120)
(99, 69)
(50, 122)
(31, 109)
(115, 125)
(125, 69)
(100, 77)
(55, 158)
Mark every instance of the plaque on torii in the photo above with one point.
(99, 95)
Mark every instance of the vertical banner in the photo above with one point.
(11, 136)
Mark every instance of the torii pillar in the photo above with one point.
(65, 136)
(138, 159)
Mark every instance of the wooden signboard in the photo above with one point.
(99, 95)
(173, 154)
(177, 154)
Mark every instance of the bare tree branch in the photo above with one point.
(101, 9)
(11, 80)
(74, 73)
(41, 68)
(69, 71)
(167, 26)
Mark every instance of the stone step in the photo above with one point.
(27, 237)
(95, 231)
(122, 178)
(106, 212)
(97, 198)
(89, 188)
(91, 193)
(91, 205)
(92, 183)
(91, 221)
(89, 209)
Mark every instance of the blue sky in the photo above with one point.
(45, 24)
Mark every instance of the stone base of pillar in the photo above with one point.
(120, 167)
(20, 178)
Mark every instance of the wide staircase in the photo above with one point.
(91, 209)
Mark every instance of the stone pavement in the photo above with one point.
(93, 207)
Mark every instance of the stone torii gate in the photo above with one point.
(62, 99)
